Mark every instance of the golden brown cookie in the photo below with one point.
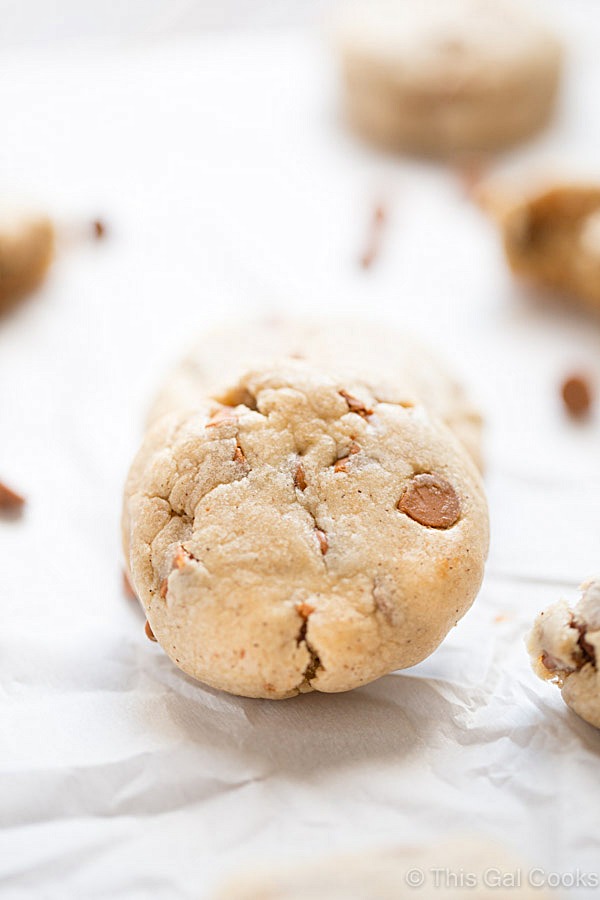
(298, 533)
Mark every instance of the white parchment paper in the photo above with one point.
(230, 188)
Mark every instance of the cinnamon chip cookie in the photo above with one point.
(394, 366)
(473, 868)
(26, 249)
(446, 76)
(564, 646)
(296, 532)
(552, 238)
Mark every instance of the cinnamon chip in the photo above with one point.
(304, 609)
(323, 542)
(549, 662)
(300, 478)
(355, 405)
(577, 396)
(431, 501)
(10, 501)
(149, 632)
(341, 464)
(99, 229)
(181, 558)
(239, 456)
(221, 415)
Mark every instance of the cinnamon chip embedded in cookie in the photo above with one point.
(300, 478)
(430, 500)
(355, 405)
(288, 555)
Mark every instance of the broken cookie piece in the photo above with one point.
(564, 646)
(26, 250)
(301, 554)
(552, 238)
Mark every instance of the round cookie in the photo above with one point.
(297, 534)
(447, 76)
(564, 646)
(26, 250)
(395, 873)
(394, 366)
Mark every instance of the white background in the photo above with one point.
(230, 187)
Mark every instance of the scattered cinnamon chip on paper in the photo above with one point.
(10, 500)
(577, 396)
(99, 229)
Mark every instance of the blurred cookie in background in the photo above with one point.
(446, 77)
(551, 237)
(26, 251)
(454, 869)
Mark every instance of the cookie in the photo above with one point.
(564, 646)
(296, 533)
(552, 238)
(26, 249)
(447, 76)
(391, 362)
(451, 870)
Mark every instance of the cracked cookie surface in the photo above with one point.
(564, 646)
(394, 366)
(268, 544)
